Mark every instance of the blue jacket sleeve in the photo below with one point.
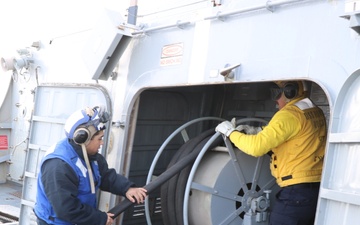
(112, 181)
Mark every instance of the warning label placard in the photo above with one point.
(171, 54)
(4, 145)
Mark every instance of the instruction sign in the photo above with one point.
(171, 54)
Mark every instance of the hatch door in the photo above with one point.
(54, 103)
(339, 198)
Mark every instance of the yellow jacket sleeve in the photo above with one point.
(281, 127)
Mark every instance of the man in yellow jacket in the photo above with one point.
(296, 138)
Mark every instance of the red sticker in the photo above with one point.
(4, 142)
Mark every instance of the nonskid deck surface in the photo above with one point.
(10, 200)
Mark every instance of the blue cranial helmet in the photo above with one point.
(96, 117)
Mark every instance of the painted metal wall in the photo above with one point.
(298, 40)
(339, 199)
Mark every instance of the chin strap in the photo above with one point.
(89, 168)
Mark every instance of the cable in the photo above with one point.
(89, 168)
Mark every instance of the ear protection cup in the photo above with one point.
(83, 135)
(291, 90)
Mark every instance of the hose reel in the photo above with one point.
(224, 186)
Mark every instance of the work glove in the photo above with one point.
(226, 127)
(248, 129)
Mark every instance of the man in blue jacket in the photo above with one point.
(72, 171)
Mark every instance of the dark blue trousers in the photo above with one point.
(295, 205)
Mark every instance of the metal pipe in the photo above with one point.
(177, 24)
(268, 5)
(219, 15)
(132, 12)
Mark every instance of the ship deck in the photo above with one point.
(10, 202)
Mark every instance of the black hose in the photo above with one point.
(169, 189)
(152, 186)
